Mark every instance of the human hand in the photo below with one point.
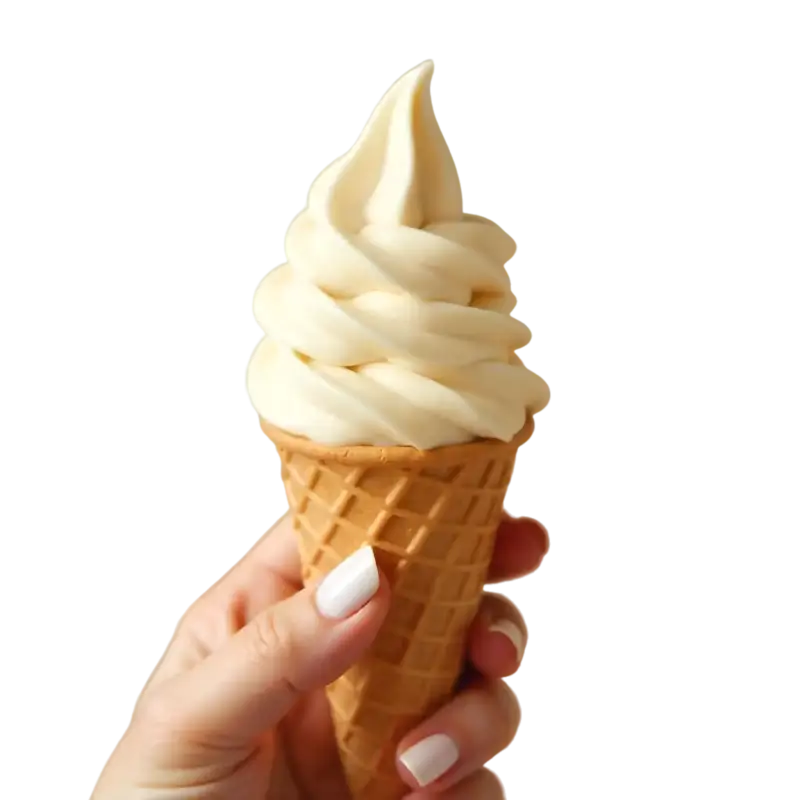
(235, 709)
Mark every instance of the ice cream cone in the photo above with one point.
(431, 517)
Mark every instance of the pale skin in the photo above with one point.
(235, 709)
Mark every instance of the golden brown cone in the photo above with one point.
(431, 517)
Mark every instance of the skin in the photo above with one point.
(235, 709)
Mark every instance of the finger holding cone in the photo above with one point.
(498, 637)
(521, 545)
(460, 738)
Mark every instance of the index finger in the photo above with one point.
(271, 565)
(277, 550)
(268, 573)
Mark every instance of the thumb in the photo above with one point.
(300, 644)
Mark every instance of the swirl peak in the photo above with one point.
(399, 171)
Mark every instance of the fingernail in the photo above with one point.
(348, 587)
(431, 758)
(512, 632)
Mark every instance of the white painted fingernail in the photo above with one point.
(511, 631)
(348, 587)
(431, 758)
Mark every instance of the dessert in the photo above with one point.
(388, 381)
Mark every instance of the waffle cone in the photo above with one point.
(431, 517)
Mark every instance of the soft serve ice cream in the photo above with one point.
(390, 322)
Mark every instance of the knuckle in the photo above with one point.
(271, 637)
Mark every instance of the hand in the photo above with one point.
(236, 710)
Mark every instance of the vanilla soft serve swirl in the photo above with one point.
(390, 322)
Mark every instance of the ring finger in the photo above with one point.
(460, 738)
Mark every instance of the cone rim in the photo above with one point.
(364, 453)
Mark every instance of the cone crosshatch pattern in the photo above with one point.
(431, 517)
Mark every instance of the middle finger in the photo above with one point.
(519, 548)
